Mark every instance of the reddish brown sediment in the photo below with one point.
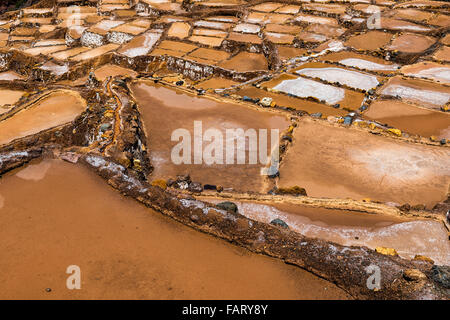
(410, 118)
(372, 40)
(411, 43)
(365, 166)
(363, 124)
(159, 105)
(124, 249)
(45, 113)
(112, 71)
(351, 228)
(443, 54)
(260, 237)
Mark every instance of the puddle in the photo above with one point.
(410, 118)
(336, 162)
(125, 250)
(350, 228)
(57, 108)
(160, 105)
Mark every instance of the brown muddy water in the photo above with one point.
(124, 250)
(8, 97)
(54, 109)
(352, 228)
(164, 110)
(372, 40)
(110, 70)
(410, 118)
(337, 162)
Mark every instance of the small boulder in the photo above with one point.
(386, 251)
(441, 274)
(419, 257)
(295, 190)
(159, 183)
(228, 206)
(413, 275)
(266, 101)
(195, 187)
(280, 223)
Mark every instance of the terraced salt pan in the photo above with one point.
(417, 91)
(338, 162)
(45, 50)
(410, 118)
(350, 78)
(126, 250)
(368, 65)
(316, 19)
(409, 238)
(212, 24)
(49, 42)
(10, 76)
(305, 88)
(9, 97)
(93, 53)
(54, 109)
(55, 68)
(161, 108)
(179, 30)
(247, 28)
(428, 70)
(393, 24)
(140, 45)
